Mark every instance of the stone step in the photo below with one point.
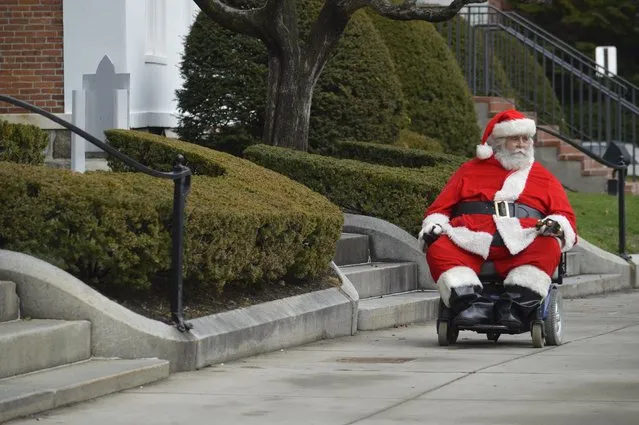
(397, 310)
(596, 172)
(352, 248)
(30, 345)
(48, 389)
(591, 284)
(9, 302)
(572, 263)
(575, 156)
(565, 148)
(381, 278)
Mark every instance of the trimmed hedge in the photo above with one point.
(412, 140)
(22, 143)
(396, 194)
(393, 156)
(104, 228)
(438, 100)
(244, 222)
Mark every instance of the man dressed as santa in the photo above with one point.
(489, 210)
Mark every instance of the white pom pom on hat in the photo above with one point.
(504, 124)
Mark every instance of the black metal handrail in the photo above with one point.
(181, 176)
(517, 17)
(621, 169)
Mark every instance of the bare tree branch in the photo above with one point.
(325, 34)
(410, 10)
(245, 21)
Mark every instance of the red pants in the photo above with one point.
(542, 253)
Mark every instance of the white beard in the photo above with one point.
(515, 160)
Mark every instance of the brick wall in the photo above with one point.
(31, 53)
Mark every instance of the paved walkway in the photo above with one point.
(401, 376)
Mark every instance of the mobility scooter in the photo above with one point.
(545, 324)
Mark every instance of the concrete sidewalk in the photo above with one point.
(401, 376)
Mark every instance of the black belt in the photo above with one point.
(501, 209)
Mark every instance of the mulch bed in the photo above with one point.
(154, 304)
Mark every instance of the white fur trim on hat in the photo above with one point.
(484, 151)
(524, 126)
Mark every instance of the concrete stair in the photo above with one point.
(390, 295)
(47, 363)
(574, 169)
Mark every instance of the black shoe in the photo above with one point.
(479, 313)
(469, 307)
(516, 306)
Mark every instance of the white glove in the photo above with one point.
(432, 229)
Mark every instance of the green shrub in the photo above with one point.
(358, 96)
(244, 222)
(393, 156)
(396, 194)
(107, 229)
(223, 96)
(22, 143)
(438, 100)
(412, 140)
(225, 75)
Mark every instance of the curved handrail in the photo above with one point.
(181, 176)
(97, 142)
(516, 16)
(583, 150)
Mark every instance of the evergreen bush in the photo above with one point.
(244, 223)
(396, 194)
(22, 143)
(438, 100)
(225, 79)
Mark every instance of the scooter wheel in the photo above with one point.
(537, 332)
(446, 335)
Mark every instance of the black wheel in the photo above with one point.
(446, 335)
(493, 336)
(553, 323)
(537, 333)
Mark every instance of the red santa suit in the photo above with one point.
(524, 258)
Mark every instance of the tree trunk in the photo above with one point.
(288, 106)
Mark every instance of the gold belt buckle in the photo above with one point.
(502, 206)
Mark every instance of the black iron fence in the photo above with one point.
(504, 55)
(181, 176)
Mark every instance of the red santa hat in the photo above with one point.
(504, 124)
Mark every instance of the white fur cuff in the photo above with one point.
(529, 277)
(570, 237)
(454, 278)
(435, 218)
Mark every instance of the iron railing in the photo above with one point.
(181, 176)
(504, 55)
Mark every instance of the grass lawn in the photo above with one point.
(598, 222)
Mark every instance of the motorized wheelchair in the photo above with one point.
(545, 324)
